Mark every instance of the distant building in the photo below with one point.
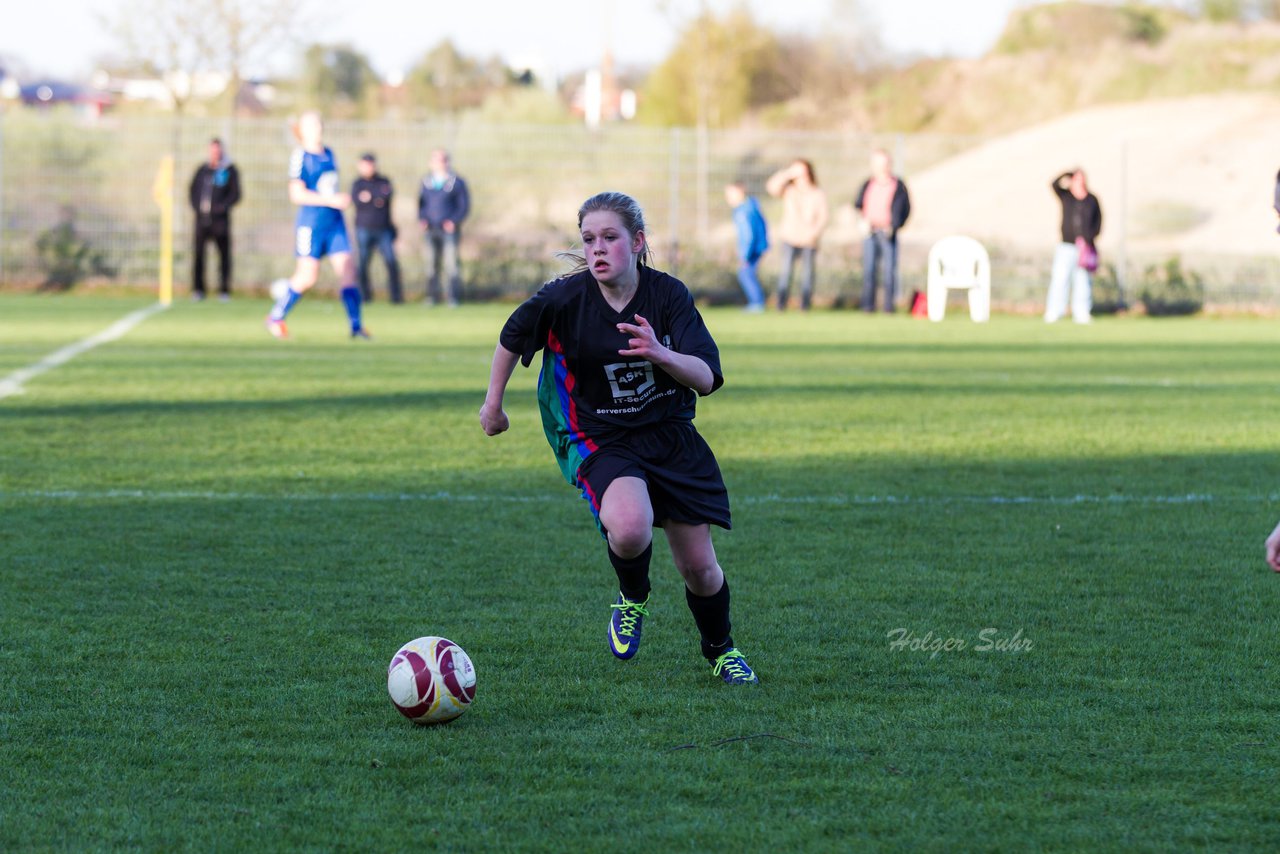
(601, 98)
(160, 89)
(49, 92)
(254, 98)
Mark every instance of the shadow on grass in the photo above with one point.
(428, 401)
(1250, 473)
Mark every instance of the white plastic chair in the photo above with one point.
(959, 263)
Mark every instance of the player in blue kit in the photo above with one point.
(320, 229)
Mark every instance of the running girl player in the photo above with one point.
(625, 357)
(320, 229)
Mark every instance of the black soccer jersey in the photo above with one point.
(589, 394)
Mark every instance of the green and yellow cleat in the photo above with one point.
(624, 626)
(732, 667)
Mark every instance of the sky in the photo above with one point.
(65, 38)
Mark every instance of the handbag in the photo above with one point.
(1088, 255)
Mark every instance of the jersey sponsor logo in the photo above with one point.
(629, 379)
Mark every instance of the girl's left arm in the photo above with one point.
(687, 370)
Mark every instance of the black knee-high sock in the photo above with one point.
(711, 613)
(633, 573)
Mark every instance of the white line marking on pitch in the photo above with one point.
(464, 498)
(13, 384)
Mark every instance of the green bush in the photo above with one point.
(1108, 296)
(66, 257)
(506, 272)
(1143, 24)
(1167, 290)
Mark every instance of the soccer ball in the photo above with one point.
(279, 288)
(431, 680)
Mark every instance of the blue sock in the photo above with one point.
(285, 304)
(351, 299)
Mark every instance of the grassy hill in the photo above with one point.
(1061, 57)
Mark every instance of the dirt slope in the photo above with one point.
(1195, 175)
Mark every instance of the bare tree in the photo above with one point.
(178, 40)
(837, 59)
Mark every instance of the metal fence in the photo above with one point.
(79, 192)
(96, 177)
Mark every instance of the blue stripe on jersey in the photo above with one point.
(576, 435)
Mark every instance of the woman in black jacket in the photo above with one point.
(1076, 257)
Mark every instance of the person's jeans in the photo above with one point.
(750, 281)
(384, 240)
(219, 231)
(442, 251)
(1067, 272)
(789, 254)
(880, 249)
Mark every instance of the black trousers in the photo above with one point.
(219, 231)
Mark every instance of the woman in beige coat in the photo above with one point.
(804, 218)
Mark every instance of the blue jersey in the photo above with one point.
(318, 173)
(320, 230)
(753, 234)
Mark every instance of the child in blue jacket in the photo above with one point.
(753, 241)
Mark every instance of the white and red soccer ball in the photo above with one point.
(431, 680)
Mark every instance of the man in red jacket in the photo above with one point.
(884, 205)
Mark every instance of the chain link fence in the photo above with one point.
(81, 193)
(77, 206)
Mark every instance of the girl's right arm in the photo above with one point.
(492, 419)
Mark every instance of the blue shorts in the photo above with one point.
(311, 242)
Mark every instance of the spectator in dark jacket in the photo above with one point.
(215, 189)
(443, 203)
(884, 205)
(1081, 225)
(371, 193)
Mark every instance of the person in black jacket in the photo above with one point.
(884, 205)
(371, 193)
(1076, 256)
(215, 189)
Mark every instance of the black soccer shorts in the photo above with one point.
(675, 462)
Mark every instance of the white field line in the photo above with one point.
(73, 495)
(13, 383)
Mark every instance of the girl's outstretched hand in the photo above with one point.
(643, 343)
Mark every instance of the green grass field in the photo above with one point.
(211, 543)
